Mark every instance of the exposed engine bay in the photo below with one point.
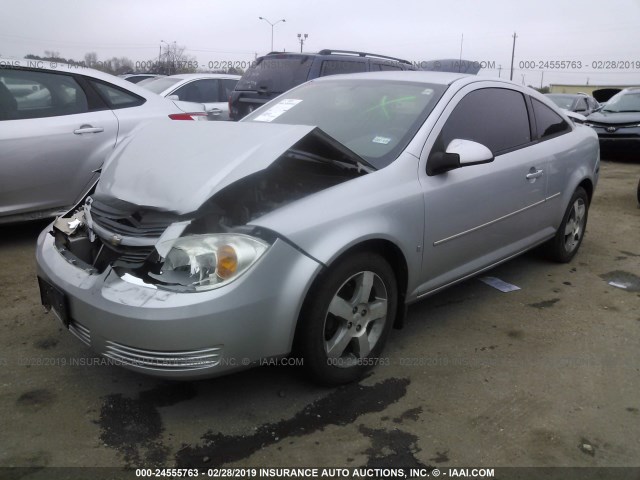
(109, 232)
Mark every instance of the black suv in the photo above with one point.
(277, 72)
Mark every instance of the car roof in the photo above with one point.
(442, 78)
(51, 66)
(191, 76)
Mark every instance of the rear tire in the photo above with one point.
(563, 247)
(346, 319)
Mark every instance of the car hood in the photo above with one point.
(178, 166)
(614, 117)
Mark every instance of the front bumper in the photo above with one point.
(623, 141)
(184, 335)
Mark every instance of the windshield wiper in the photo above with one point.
(300, 155)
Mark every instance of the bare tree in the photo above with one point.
(174, 60)
(91, 59)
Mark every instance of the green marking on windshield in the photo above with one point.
(383, 104)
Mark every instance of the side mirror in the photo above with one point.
(459, 153)
(173, 97)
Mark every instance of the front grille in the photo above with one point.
(616, 125)
(81, 332)
(130, 224)
(130, 254)
(163, 361)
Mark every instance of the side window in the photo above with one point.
(494, 117)
(31, 94)
(333, 67)
(200, 91)
(227, 85)
(385, 67)
(549, 123)
(117, 97)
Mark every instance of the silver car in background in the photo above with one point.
(58, 123)
(310, 225)
(211, 89)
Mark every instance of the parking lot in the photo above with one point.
(544, 376)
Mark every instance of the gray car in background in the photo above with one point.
(57, 125)
(310, 225)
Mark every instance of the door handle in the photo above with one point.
(533, 174)
(88, 129)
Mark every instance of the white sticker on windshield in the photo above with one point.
(277, 110)
(382, 140)
(427, 91)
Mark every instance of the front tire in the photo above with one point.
(563, 247)
(347, 318)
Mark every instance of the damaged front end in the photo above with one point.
(189, 250)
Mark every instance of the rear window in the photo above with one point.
(276, 74)
(159, 85)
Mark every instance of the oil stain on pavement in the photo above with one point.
(133, 426)
(392, 448)
(340, 407)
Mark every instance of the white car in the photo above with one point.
(211, 89)
(57, 125)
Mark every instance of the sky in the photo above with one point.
(589, 36)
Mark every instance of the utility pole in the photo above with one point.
(302, 37)
(499, 71)
(513, 54)
(541, 79)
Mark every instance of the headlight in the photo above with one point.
(205, 262)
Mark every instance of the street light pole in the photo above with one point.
(160, 52)
(302, 37)
(272, 25)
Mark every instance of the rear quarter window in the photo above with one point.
(116, 97)
(334, 67)
(549, 123)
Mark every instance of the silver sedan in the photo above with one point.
(58, 123)
(311, 224)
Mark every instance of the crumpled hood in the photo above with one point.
(614, 117)
(177, 166)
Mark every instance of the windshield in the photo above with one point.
(376, 119)
(276, 73)
(159, 85)
(563, 101)
(624, 102)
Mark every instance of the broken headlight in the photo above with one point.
(205, 262)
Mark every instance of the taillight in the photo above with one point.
(188, 116)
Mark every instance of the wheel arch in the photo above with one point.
(391, 253)
(587, 185)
